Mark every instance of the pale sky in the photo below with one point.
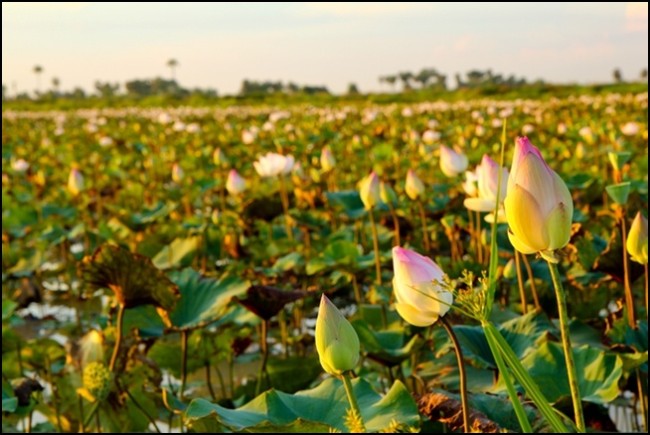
(332, 44)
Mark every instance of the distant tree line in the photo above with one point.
(252, 88)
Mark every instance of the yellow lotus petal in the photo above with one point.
(479, 204)
(525, 219)
(414, 316)
(558, 226)
(519, 245)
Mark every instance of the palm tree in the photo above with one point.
(55, 84)
(38, 70)
(172, 64)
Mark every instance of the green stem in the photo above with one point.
(643, 398)
(566, 343)
(461, 369)
(208, 380)
(375, 245)
(531, 279)
(629, 298)
(82, 425)
(184, 340)
(645, 268)
(522, 376)
(507, 378)
(351, 397)
(425, 232)
(357, 290)
(140, 407)
(265, 356)
(284, 198)
(118, 337)
(520, 281)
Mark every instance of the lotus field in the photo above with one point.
(340, 267)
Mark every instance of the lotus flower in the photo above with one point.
(414, 186)
(487, 174)
(273, 164)
(75, 182)
(630, 128)
(452, 162)
(637, 239)
(337, 342)
(177, 173)
(235, 184)
(20, 165)
(538, 206)
(387, 194)
(421, 298)
(369, 191)
(327, 160)
(219, 157)
(470, 185)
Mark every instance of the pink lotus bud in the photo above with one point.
(327, 160)
(75, 182)
(414, 186)
(177, 173)
(452, 162)
(637, 239)
(538, 206)
(235, 184)
(419, 293)
(369, 191)
(274, 164)
(337, 342)
(487, 174)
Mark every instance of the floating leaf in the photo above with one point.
(176, 252)
(324, 405)
(599, 372)
(132, 277)
(203, 299)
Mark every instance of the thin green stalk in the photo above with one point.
(82, 425)
(643, 399)
(351, 397)
(522, 376)
(208, 379)
(184, 339)
(461, 370)
(375, 245)
(265, 356)
(140, 407)
(357, 290)
(507, 378)
(531, 279)
(566, 343)
(520, 281)
(118, 337)
(629, 298)
(645, 268)
(284, 198)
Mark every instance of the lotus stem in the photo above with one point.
(520, 281)
(265, 356)
(531, 279)
(351, 397)
(461, 369)
(184, 339)
(375, 244)
(629, 297)
(284, 198)
(566, 344)
(118, 337)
